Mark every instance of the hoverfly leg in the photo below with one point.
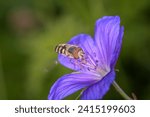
(77, 63)
(74, 62)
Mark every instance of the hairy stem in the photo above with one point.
(78, 96)
(122, 93)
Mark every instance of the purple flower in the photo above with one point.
(96, 74)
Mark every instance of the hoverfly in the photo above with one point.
(71, 51)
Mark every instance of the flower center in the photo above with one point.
(91, 64)
(103, 72)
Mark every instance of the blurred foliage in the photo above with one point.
(30, 29)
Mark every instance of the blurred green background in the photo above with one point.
(30, 29)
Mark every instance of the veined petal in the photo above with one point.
(107, 36)
(87, 44)
(117, 47)
(99, 89)
(69, 84)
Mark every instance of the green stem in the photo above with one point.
(78, 96)
(122, 93)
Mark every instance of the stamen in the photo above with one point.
(91, 60)
(89, 66)
(86, 63)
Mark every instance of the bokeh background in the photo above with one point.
(30, 29)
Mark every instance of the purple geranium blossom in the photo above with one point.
(96, 74)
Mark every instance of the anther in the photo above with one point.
(88, 69)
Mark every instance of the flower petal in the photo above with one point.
(86, 43)
(108, 39)
(117, 48)
(99, 89)
(69, 84)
